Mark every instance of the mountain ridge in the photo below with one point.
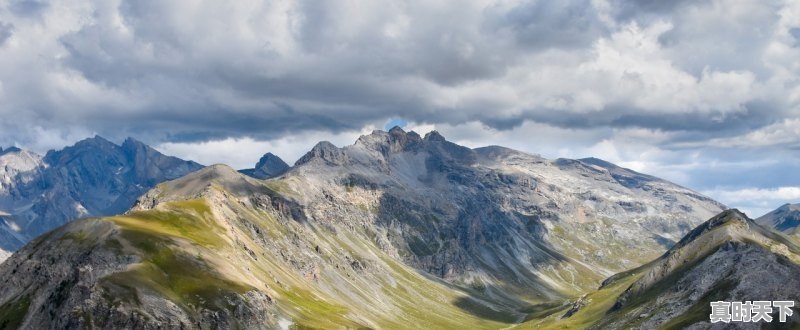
(727, 258)
(92, 177)
(393, 231)
(785, 219)
(396, 165)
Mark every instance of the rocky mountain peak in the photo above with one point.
(138, 151)
(785, 219)
(19, 159)
(788, 208)
(198, 184)
(719, 258)
(268, 166)
(393, 141)
(97, 140)
(270, 160)
(732, 217)
(728, 216)
(133, 144)
(397, 130)
(17, 168)
(326, 152)
(92, 177)
(434, 136)
(91, 147)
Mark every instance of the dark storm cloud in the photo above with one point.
(704, 93)
(6, 30)
(795, 33)
(633, 9)
(549, 24)
(195, 71)
(27, 7)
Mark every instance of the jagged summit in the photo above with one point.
(268, 159)
(434, 136)
(376, 149)
(96, 140)
(394, 141)
(93, 145)
(473, 188)
(397, 130)
(131, 143)
(268, 166)
(324, 151)
(93, 177)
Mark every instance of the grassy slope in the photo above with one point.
(166, 268)
(13, 313)
(599, 303)
(191, 257)
(183, 244)
(597, 313)
(197, 255)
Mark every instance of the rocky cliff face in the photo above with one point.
(18, 169)
(93, 177)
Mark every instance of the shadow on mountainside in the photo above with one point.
(497, 257)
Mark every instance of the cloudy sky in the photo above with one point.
(704, 93)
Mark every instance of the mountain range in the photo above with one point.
(401, 231)
(94, 177)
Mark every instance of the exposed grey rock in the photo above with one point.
(576, 306)
(324, 151)
(495, 215)
(94, 177)
(62, 278)
(268, 166)
(18, 170)
(727, 258)
(785, 219)
(392, 227)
